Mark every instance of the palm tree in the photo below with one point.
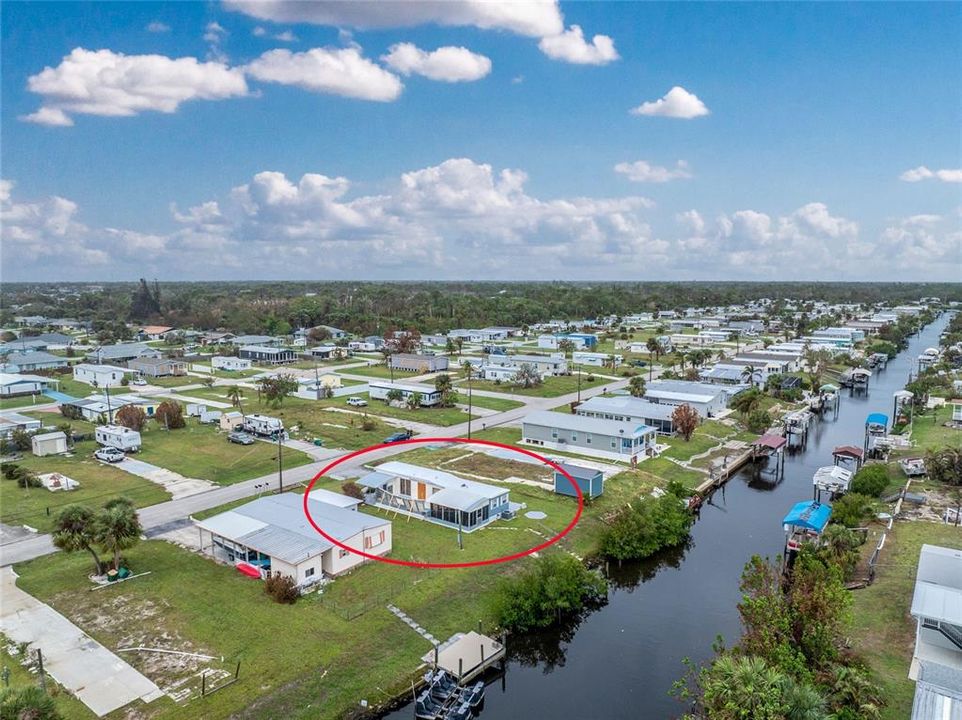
(118, 528)
(653, 346)
(736, 336)
(750, 374)
(75, 530)
(235, 395)
(636, 386)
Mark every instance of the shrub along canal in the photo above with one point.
(621, 660)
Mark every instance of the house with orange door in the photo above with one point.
(436, 496)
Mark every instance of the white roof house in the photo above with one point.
(937, 661)
(274, 534)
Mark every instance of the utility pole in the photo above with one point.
(579, 385)
(280, 466)
(470, 406)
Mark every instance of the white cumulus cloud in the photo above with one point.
(533, 18)
(923, 173)
(448, 64)
(570, 46)
(339, 71)
(643, 171)
(102, 82)
(676, 103)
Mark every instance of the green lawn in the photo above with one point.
(380, 371)
(883, 629)
(170, 381)
(551, 387)
(491, 403)
(201, 451)
(708, 435)
(23, 401)
(67, 705)
(98, 483)
(930, 433)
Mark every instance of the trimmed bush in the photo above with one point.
(871, 480)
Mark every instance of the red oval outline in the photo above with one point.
(441, 566)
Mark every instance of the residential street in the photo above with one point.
(157, 518)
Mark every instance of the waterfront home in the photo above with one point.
(708, 400)
(411, 362)
(937, 608)
(273, 534)
(608, 439)
(434, 495)
(544, 364)
(379, 390)
(627, 408)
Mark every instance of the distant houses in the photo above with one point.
(409, 362)
(627, 441)
(32, 361)
(379, 390)
(267, 355)
(99, 375)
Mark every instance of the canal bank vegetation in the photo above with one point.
(647, 525)
(556, 587)
(791, 660)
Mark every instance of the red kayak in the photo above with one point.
(249, 570)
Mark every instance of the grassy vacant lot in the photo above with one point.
(23, 401)
(930, 433)
(69, 707)
(551, 387)
(98, 483)
(883, 630)
(491, 403)
(709, 434)
(201, 451)
(379, 371)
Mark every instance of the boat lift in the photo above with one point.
(804, 523)
(831, 479)
(876, 428)
(766, 446)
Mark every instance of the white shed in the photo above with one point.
(52, 443)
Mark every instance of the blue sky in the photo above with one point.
(823, 143)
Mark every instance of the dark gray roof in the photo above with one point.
(122, 351)
(579, 472)
(938, 693)
(627, 405)
(34, 358)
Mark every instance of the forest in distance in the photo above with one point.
(371, 307)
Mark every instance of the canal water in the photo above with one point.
(620, 662)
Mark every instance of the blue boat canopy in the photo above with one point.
(809, 514)
(877, 419)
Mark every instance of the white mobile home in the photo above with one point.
(99, 375)
(379, 390)
(118, 436)
(232, 364)
(596, 359)
(609, 439)
(273, 534)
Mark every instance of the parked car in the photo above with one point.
(138, 381)
(639, 363)
(356, 402)
(241, 438)
(109, 454)
(399, 436)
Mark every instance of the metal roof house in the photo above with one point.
(12, 384)
(272, 533)
(937, 660)
(378, 390)
(708, 400)
(121, 353)
(544, 364)
(627, 408)
(20, 362)
(266, 354)
(435, 495)
(627, 441)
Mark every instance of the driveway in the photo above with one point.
(176, 484)
(100, 680)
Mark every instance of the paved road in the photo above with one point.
(101, 680)
(158, 518)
